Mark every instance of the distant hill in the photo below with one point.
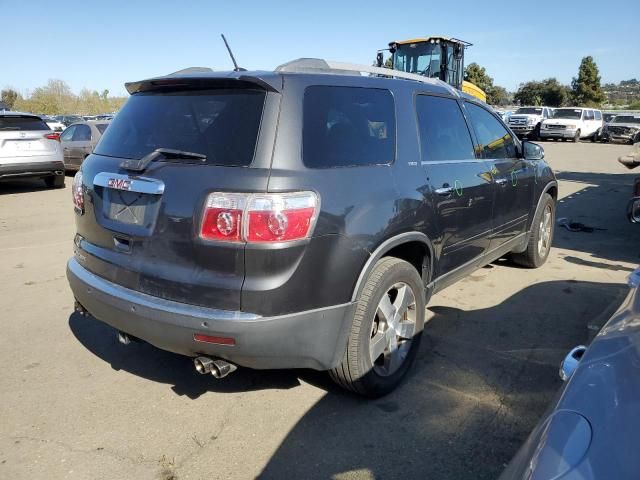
(625, 93)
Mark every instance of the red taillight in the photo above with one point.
(200, 337)
(53, 136)
(223, 217)
(77, 191)
(277, 217)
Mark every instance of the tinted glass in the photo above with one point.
(101, 127)
(82, 133)
(67, 135)
(22, 123)
(588, 115)
(221, 124)
(443, 131)
(568, 113)
(495, 141)
(598, 114)
(345, 126)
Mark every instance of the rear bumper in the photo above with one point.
(31, 169)
(311, 339)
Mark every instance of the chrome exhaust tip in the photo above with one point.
(203, 365)
(218, 368)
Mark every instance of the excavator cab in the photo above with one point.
(433, 57)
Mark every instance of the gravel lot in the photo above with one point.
(76, 404)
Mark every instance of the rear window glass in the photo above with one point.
(347, 126)
(221, 124)
(102, 127)
(22, 123)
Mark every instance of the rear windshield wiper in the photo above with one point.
(143, 163)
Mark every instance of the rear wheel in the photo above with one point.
(55, 181)
(576, 137)
(541, 236)
(386, 330)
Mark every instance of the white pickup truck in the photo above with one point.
(573, 124)
(526, 121)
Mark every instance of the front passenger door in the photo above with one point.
(513, 176)
(460, 182)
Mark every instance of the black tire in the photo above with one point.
(532, 257)
(55, 181)
(535, 135)
(576, 137)
(357, 372)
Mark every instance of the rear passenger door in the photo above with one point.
(513, 176)
(80, 145)
(460, 183)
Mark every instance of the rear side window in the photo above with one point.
(598, 114)
(495, 141)
(221, 124)
(82, 133)
(22, 123)
(348, 126)
(443, 132)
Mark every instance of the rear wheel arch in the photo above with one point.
(413, 247)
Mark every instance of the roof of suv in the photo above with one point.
(11, 113)
(307, 67)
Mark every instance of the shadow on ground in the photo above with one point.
(22, 186)
(482, 380)
(601, 205)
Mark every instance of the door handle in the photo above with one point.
(445, 190)
(501, 181)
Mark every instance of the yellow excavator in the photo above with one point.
(433, 57)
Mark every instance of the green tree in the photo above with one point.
(548, 92)
(529, 93)
(388, 63)
(586, 89)
(477, 75)
(497, 96)
(9, 96)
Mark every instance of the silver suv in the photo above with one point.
(29, 148)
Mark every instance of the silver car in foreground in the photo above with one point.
(593, 430)
(29, 148)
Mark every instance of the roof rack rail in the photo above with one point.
(319, 65)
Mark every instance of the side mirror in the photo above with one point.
(633, 210)
(532, 151)
(379, 59)
(570, 362)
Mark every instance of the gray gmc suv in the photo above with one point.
(299, 218)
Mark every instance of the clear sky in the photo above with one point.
(102, 44)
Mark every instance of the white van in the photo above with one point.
(573, 123)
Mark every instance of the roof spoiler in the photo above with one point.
(200, 77)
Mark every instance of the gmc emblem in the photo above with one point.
(119, 183)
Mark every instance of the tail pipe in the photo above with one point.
(215, 366)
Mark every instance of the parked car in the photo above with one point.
(625, 127)
(79, 140)
(67, 120)
(591, 430)
(28, 148)
(300, 218)
(52, 123)
(573, 124)
(525, 121)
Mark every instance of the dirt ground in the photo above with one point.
(76, 404)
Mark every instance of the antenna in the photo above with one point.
(233, 59)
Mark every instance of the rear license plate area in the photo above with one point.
(127, 205)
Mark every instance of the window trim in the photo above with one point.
(395, 125)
